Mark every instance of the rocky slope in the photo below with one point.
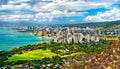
(108, 59)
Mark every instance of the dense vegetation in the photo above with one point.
(102, 60)
(54, 53)
(110, 27)
(96, 24)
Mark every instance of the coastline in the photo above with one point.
(40, 37)
(20, 39)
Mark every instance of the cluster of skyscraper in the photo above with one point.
(68, 34)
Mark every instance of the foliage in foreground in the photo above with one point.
(62, 50)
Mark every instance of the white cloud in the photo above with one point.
(19, 7)
(72, 5)
(111, 15)
(38, 16)
(47, 10)
(17, 1)
(55, 14)
(11, 17)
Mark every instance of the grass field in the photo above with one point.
(73, 54)
(32, 55)
(37, 55)
(109, 37)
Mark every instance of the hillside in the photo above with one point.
(95, 24)
(107, 59)
(92, 24)
(110, 27)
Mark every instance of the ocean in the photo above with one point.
(10, 39)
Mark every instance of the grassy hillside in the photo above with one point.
(109, 37)
(32, 55)
(47, 53)
(110, 27)
(95, 24)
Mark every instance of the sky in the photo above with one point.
(59, 11)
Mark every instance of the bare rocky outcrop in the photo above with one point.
(108, 59)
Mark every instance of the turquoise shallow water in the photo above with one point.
(10, 39)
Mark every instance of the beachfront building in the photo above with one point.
(75, 38)
(67, 34)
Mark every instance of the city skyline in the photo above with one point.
(59, 11)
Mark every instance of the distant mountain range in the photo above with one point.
(96, 24)
(91, 24)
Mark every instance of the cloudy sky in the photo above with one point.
(59, 11)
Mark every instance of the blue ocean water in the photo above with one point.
(10, 39)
